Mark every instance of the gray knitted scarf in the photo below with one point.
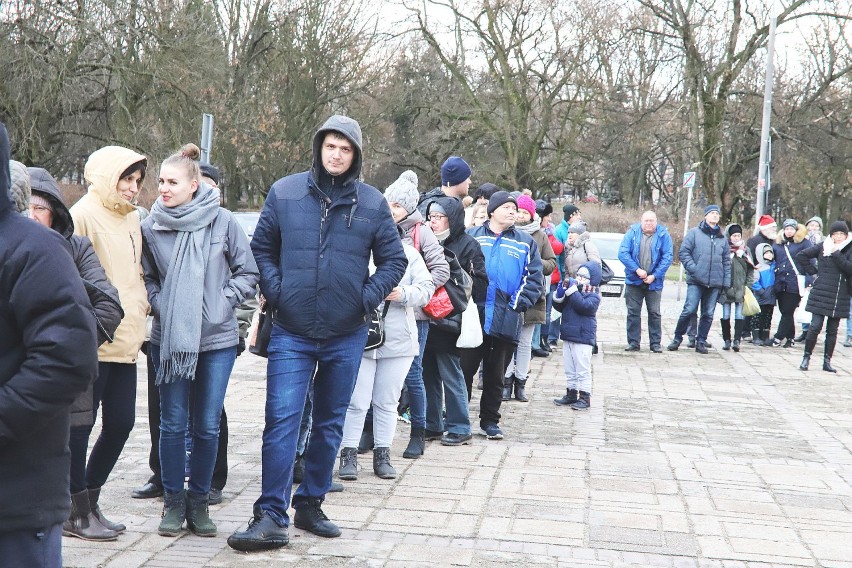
(180, 301)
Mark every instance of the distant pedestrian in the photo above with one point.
(742, 276)
(578, 299)
(830, 297)
(707, 262)
(646, 252)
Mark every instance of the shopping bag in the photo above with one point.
(471, 328)
(750, 305)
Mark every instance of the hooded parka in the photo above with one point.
(112, 224)
(831, 290)
(102, 294)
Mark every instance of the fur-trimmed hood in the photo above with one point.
(801, 235)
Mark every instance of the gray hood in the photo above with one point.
(349, 128)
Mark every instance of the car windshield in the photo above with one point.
(607, 246)
(247, 221)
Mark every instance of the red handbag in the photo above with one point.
(440, 305)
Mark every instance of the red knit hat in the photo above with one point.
(765, 221)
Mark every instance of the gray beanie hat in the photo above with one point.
(578, 227)
(818, 220)
(404, 191)
(20, 189)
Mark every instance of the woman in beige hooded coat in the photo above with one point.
(107, 216)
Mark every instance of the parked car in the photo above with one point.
(608, 244)
(248, 221)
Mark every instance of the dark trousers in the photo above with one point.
(470, 360)
(494, 354)
(787, 304)
(817, 321)
(633, 297)
(115, 392)
(32, 548)
(220, 470)
(763, 321)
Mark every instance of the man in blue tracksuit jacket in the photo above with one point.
(313, 244)
(515, 283)
(646, 252)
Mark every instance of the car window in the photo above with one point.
(608, 247)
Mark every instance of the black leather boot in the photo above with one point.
(738, 334)
(726, 334)
(507, 387)
(570, 397)
(416, 444)
(806, 359)
(520, 386)
(826, 365)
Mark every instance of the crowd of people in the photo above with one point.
(468, 290)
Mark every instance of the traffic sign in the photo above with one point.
(689, 179)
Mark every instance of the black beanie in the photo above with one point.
(210, 171)
(498, 199)
(836, 227)
(569, 210)
(733, 228)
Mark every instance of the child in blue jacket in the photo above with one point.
(578, 301)
(764, 293)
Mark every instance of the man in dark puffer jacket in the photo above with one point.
(313, 245)
(48, 356)
(705, 255)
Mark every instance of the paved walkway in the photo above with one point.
(723, 460)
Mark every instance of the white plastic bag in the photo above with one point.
(801, 316)
(471, 328)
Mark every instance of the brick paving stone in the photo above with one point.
(684, 460)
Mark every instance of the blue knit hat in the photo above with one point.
(454, 171)
(710, 208)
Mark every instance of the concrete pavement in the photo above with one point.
(725, 460)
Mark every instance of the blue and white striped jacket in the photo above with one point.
(513, 264)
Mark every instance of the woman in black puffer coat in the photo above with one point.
(830, 294)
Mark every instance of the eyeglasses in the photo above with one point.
(436, 217)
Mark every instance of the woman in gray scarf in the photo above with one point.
(198, 268)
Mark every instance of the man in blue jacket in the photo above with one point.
(706, 258)
(646, 253)
(313, 244)
(515, 283)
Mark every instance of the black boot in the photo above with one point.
(416, 444)
(806, 359)
(520, 386)
(94, 495)
(381, 464)
(726, 334)
(826, 365)
(299, 469)
(309, 517)
(738, 334)
(507, 387)
(569, 398)
(262, 533)
(584, 401)
(366, 443)
(82, 523)
(756, 337)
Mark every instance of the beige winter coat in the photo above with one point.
(113, 226)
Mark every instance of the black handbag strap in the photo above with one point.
(385, 309)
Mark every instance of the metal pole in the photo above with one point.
(763, 164)
(685, 229)
(206, 137)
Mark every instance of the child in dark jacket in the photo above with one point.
(764, 293)
(578, 301)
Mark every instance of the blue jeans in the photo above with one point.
(292, 360)
(32, 548)
(208, 396)
(695, 295)
(444, 382)
(414, 380)
(738, 311)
